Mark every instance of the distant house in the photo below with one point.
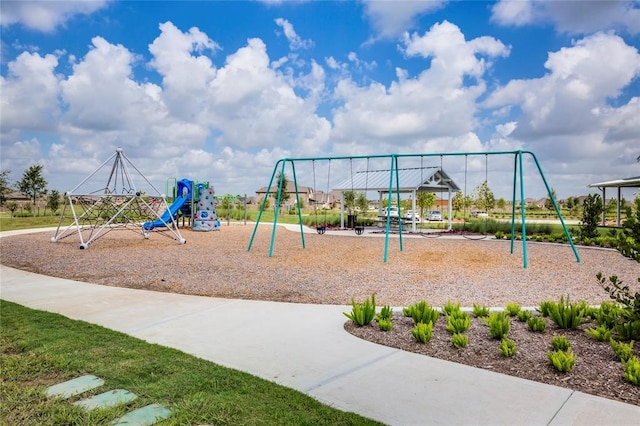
(308, 197)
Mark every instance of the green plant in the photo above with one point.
(480, 311)
(537, 324)
(499, 235)
(563, 361)
(422, 332)
(623, 351)
(450, 307)
(607, 314)
(545, 307)
(599, 334)
(628, 241)
(458, 322)
(560, 343)
(459, 340)
(385, 324)
(362, 313)
(591, 210)
(632, 371)
(524, 316)
(386, 313)
(512, 309)
(628, 321)
(421, 312)
(498, 325)
(567, 315)
(508, 348)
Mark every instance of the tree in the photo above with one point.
(362, 202)
(483, 197)
(501, 204)
(457, 202)
(12, 206)
(591, 209)
(53, 202)
(32, 183)
(4, 186)
(284, 196)
(548, 204)
(425, 201)
(612, 205)
(349, 200)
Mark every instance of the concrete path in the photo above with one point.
(306, 348)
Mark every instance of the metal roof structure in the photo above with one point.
(419, 179)
(632, 182)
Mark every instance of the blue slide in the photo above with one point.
(184, 196)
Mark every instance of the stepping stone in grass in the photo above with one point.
(145, 416)
(106, 400)
(74, 387)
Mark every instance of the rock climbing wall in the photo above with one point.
(205, 218)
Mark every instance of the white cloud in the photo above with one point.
(30, 94)
(580, 78)
(295, 41)
(574, 17)
(391, 18)
(46, 15)
(436, 103)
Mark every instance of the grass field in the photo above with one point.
(39, 349)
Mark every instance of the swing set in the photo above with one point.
(393, 177)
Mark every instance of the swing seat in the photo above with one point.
(321, 229)
(359, 229)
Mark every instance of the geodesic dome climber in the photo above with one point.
(118, 205)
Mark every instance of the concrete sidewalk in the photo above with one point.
(306, 348)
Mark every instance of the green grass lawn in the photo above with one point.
(39, 349)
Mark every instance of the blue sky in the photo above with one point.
(219, 91)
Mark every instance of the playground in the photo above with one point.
(332, 269)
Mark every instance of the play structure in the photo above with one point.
(121, 204)
(391, 182)
(194, 201)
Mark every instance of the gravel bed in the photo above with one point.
(330, 270)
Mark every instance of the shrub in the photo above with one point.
(459, 341)
(545, 307)
(498, 325)
(508, 348)
(560, 343)
(422, 332)
(563, 361)
(386, 313)
(537, 324)
(450, 308)
(421, 312)
(499, 235)
(607, 315)
(362, 313)
(385, 324)
(524, 316)
(567, 315)
(599, 334)
(458, 322)
(480, 311)
(628, 321)
(632, 370)
(512, 309)
(628, 241)
(623, 351)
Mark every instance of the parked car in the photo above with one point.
(393, 212)
(408, 215)
(434, 215)
(479, 213)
